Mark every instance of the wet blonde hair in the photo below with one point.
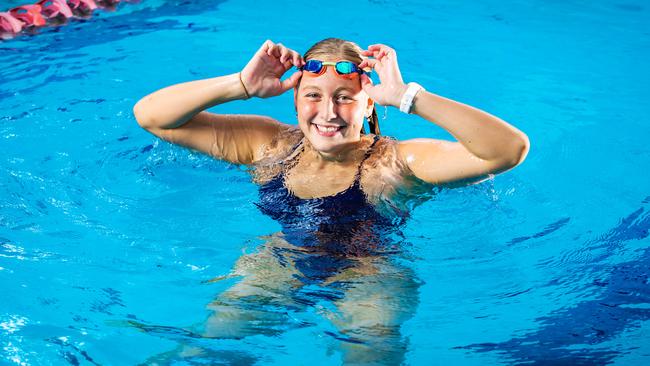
(343, 50)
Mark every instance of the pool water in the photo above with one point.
(112, 242)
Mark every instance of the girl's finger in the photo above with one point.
(375, 48)
(284, 54)
(386, 53)
(376, 54)
(373, 64)
(368, 63)
(277, 50)
(295, 59)
(289, 56)
(381, 50)
(268, 44)
(287, 64)
(273, 51)
(378, 46)
(291, 81)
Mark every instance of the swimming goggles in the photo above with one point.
(341, 67)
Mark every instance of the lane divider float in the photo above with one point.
(28, 17)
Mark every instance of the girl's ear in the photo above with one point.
(370, 106)
(295, 98)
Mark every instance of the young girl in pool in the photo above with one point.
(339, 193)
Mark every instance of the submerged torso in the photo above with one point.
(344, 224)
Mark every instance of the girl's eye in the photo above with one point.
(344, 98)
(312, 95)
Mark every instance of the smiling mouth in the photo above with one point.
(328, 130)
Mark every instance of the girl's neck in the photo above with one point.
(348, 153)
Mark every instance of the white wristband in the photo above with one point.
(407, 99)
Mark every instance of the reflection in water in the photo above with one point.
(568, 336)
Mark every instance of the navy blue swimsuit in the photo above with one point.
(340, 226)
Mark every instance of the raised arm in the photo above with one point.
(177, 113)
(486, 144)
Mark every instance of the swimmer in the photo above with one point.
(338, 192)
(331, 99)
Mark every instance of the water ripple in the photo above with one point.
(622, 287)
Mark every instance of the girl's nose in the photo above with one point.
(329, 111)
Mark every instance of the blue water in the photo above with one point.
(110, 238)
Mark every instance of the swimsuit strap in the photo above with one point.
(368, 153)
(291, 159)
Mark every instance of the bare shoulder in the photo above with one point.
(274, 152)
(281, 145)
(384, 153)
(387, 178)
(384, 170)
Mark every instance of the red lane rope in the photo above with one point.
(26, 18)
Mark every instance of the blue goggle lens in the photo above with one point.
(341, 67)
(313, 66)
(346, 67)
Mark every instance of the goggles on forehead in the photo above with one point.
(341, 67)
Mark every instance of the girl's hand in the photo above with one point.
(384, 62)
(261, 76)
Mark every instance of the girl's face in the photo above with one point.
(331, 108)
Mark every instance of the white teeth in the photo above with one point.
(327, 129)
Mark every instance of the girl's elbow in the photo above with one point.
(140, 115)
(520, 151)
(524, 148)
